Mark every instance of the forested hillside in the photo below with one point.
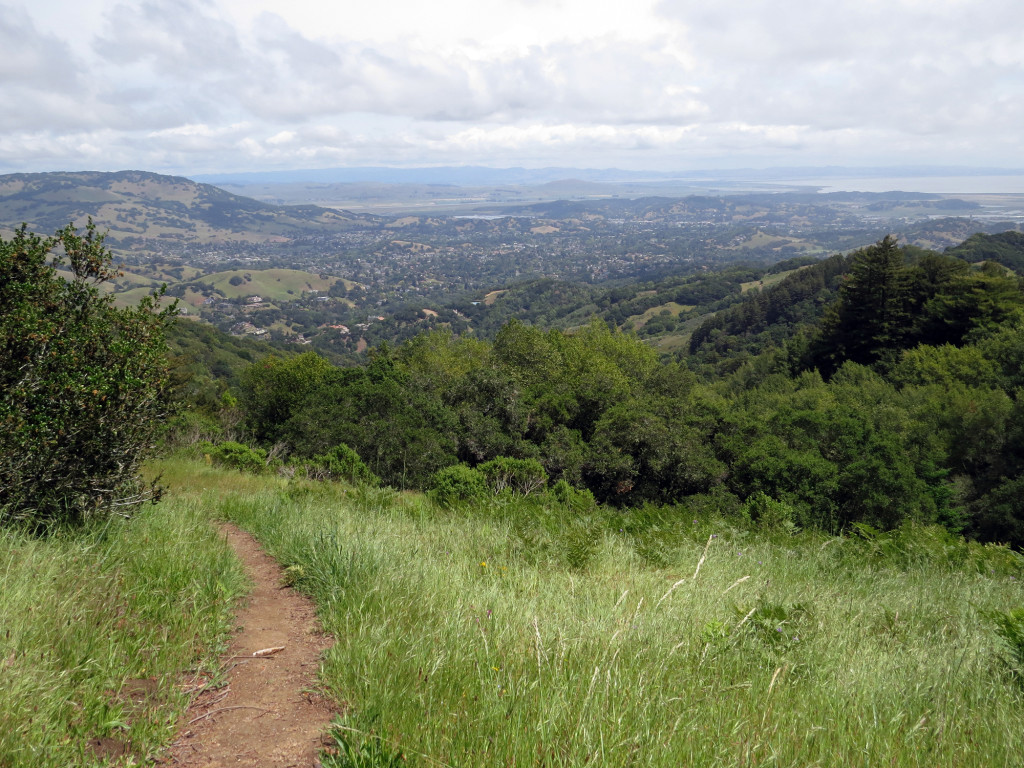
(877, 388)
(1006, 248)
(875, 395)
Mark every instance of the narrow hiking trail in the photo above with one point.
(269, 714)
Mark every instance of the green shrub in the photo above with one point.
(932, 547)
(576, 499)
(458, 483)
(517, 476)
(776, 625)
(342, 463)
(551, 533)
(83, 384)
(238, 456)
(190, 428)
(769, 514)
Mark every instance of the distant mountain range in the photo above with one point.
(139, 208)
(150, 213)
(477, 176)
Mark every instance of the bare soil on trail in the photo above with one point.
(269, 714)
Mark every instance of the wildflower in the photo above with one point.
(483, 563)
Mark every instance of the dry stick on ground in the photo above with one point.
(270, 720)
(223, 709)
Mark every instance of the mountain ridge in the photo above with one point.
(139, 209)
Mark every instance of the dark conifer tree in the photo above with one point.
(870, 321)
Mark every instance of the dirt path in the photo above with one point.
(268, 715)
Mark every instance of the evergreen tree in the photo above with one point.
(870, 320)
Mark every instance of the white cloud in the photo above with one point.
(32, 58)
(201, 85)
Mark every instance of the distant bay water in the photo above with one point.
(1002, 184)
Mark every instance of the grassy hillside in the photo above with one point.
(271, 284)
(519, 631)
(522, 633)
(105, 634)
(768, 280)
(137, 207)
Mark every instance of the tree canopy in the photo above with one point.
(892, 393)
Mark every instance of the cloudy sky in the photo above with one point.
(205, 86)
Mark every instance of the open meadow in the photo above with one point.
(521, 632)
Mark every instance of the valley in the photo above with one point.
(635, 476)
(343, 281)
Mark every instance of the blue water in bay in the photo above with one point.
(956, 185)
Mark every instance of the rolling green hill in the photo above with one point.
(272, 284)
(269, 284)
(144, 210)
(1006, 248)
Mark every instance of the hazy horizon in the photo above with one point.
(936, 180)
(193, 87)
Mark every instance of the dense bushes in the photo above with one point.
(83, 385)
(896, 430)
(500, 476)
(516, 476)
(339, 463)
(237, 456)
(456, 484)
(342, 463)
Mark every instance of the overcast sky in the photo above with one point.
(204, 86)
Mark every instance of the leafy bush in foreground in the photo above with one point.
(83, 385)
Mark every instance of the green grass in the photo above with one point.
(639, 321)
(272, 284)
(769, 280)
(104, 632)
(519, 634)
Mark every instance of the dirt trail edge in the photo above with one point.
(269, 714)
